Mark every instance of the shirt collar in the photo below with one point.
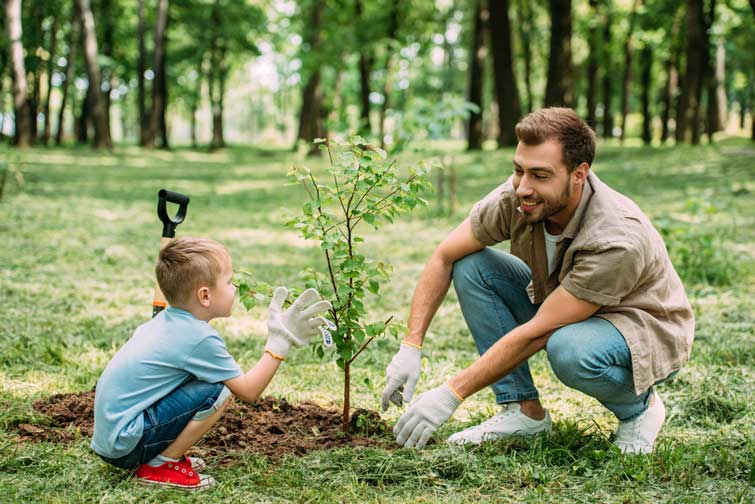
(574, 224)
(178, 311)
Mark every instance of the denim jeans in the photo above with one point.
(167, 418)
(590, 356)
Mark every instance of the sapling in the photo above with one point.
(359, 187)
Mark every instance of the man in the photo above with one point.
(588, 279)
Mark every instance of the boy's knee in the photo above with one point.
(224, 399)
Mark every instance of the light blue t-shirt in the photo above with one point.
(162, 354)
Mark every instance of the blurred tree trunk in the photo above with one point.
(16, 56)
(365, 68)
(525, 25)
(96, 105)
(108, 35)
(3, 68)
(720, 88)
(672, 77)
(195, 100)
(141, 67)
(688, 112)
(34, 64)
(82, 122)
(50, 71)
(507, 95)
(607, 84)
(157, 115)
(311, 124)
(626, 88)
(218, 137)
(646, 63)
(476, 77)
(68, 77)
(392, 33)
(559, 90)
(593, 41)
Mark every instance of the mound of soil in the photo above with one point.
(270, 426)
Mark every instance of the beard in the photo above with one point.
(550, 206)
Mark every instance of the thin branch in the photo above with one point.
(368, 342)
(374, 185)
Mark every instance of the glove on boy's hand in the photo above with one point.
(297, 325)
(425, 415)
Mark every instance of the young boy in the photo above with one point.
(173, 379)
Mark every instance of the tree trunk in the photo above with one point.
(16, 56)
(67, 81)
(311, 125)
(507, 95)
(33, 64)
(3, 65)
(607, 75)
(720, 92)
(346, 396)
(646, 59)
(525, 29)
(158, 67)
(101, 129)
(365, 68)
(476, 77)
(50, 71)
(592, 66)
(389, 62)
(141, 67)
(108, 34)
(672, 78)
(559, 90)
(218, 139)
(626, 88)
(688, 112)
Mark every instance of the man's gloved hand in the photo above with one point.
(402, 375)
(425, 415)
(298, 324)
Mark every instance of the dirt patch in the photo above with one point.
(270, 426)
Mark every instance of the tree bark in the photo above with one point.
(626, 88)
(646, 59)
(157, 115)
(3, 65)
(108, 35)
(720, 91)
(311, 124)
(688, 112)
(67, 81)
(141, 67)
(389, 62)
(476, 77)
(33, 64)
(607, 84)
(507, 95)
(525, 25)
(218, 138)
(592, 67)
(16, 56)
(672, 78)
(101, 129)
(365, 68)
(50, 71)
(559, 90)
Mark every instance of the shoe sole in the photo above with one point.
(496, 437)
(147, 482)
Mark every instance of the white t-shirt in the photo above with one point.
(550, 249)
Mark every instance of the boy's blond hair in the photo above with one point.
(186, 264)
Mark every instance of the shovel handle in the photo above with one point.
(169, 224)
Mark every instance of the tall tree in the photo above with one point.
(366, 61)
(626, 88)
(50, 71)
(392, 40)
(593, 39)
(507, 94)
(311, 124)
(95, 105)
(526, 23)
(646, 63)
(68, 73)
(559, 90)
(476, 75)
(141, 68)
(608, 65)
(688, 112)
(16, 50)
(159, 88)
(672, 76)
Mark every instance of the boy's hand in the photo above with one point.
(298, 324)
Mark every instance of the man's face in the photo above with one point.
(541, 180)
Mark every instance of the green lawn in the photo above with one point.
(76, 261)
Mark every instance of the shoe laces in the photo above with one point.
(497, 418)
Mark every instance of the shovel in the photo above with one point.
(169, 232)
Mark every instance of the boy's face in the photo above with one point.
(224, 292)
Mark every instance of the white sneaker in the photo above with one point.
(510, 421)
(638, 435)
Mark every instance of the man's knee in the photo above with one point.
(471, 269)
(565, 355)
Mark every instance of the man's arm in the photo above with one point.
(250, 385)
(560, 308)
(436, 278)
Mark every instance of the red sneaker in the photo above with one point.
(174, 474)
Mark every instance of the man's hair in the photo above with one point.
(563, 124)
(186, 264)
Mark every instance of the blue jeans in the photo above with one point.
(590, 356)
(167, 418)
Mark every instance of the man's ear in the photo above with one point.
(580, 173)
(203, 296)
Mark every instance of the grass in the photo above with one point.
(78, 245)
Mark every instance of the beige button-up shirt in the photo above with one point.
(611, 255)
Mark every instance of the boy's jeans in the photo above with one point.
(167, 418)
(590, 356)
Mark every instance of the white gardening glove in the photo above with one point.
(402, 375)
(298, 324)
(425, 415)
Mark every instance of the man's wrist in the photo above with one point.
(411, 344)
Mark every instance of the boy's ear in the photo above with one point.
(203, 296)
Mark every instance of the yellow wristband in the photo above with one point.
(274, 355)
(448, 384)
(418, 347)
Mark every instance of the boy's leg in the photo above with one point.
(195, 429)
